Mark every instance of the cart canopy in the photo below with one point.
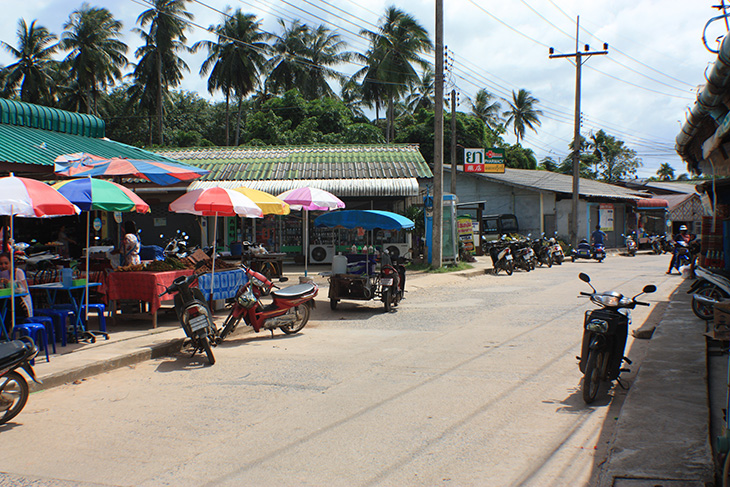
(367, 219)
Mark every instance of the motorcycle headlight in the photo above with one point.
(597, 326)
(607, 299)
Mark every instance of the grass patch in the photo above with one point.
(461, 266)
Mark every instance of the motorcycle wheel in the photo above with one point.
(302, 317)
(550, 261)
(13, 395)
(509, 268)
(702, 310)
(574, 258)
(208, 351)
(229, 325)
(387, 299)
(592, 376)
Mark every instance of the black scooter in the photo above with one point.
(13, 386)
(194, 314)
(604, 337)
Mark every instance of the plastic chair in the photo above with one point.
(36, 331)
(46, 321)
(60, 319)
(100, 312)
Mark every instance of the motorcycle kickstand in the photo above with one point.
(626, 359)
(621, 384)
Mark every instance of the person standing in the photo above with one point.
(131, 244)
(66, 241)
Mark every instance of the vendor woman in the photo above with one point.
(130, 245)
(23, 304)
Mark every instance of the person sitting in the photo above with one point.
(23, 304)
(598, 236)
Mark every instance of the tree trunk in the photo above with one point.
(149, 126)
(238, 120)
(159, 97)
(388, 119)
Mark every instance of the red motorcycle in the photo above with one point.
(289, 311)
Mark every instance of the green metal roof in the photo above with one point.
(306, 162)
(26, 145)
(36, 116)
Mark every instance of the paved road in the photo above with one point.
(471, 382)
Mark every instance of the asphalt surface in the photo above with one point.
(663, 430)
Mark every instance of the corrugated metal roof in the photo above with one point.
(336, 162)
(27, 145)
(342, 188)
(46, 118)
(561, 183)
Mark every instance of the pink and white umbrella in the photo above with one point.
(216, 202)
(310, 199)
(29, 198)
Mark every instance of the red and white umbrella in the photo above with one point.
(216, 202)
(310, 199)
(34, 199)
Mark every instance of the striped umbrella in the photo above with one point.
(163, 173)
(98, 194)
(29, 198)
(216, 202)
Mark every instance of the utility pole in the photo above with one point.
(578, 55)
(453, 141)
(438, 143)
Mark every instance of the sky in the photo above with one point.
(638, 93)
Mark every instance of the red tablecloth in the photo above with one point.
(142, 286)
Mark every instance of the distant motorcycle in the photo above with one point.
(588, 251)
(502, 258)
(557, 251)
(543, 251)
(177, 246)
(631, 246)
(604, 337)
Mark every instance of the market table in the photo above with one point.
(52, 289)
(140, 286)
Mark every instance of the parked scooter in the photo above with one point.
(392, 281)
(604, 337)
(177, 246)
(523, 254)
(588, 251)
(194, 314)
(708, 289)
(543, 251)
(13, 386)
(289, 311)
(631, 246)
(659, 244)
(501, 255)
(557, 251)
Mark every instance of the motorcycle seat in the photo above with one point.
(294, 291)
(12, 351)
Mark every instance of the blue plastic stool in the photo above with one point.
(60, 319)
(100, 312)
(36, 331)
(46, 321)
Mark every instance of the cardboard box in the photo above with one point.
(721, 328)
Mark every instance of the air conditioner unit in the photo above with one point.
(321, 254)
(397, 249)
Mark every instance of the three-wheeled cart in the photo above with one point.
(361, 281)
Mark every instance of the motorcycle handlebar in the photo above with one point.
(583, 293)
(642, 304)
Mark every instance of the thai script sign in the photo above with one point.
(484, 160)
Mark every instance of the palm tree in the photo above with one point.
(235, 60)
(665, 172)
(287, 65)
(96, 56)
(31, 72)
(486, 109)
(523, 113)
(394, 49)
(166, 38)
(422, 91)
(324, 50)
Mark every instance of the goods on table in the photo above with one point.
(169, 264)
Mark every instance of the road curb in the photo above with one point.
(100, 366)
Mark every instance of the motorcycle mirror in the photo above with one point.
(649, 288)
(584, 277)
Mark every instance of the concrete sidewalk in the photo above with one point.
(663, 431)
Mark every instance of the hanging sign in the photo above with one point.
(97, 224)
(118, 216)
(488, 160)
(605, 217)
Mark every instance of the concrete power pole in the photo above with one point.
(578, 55)
(438, 143)
(453, 141)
